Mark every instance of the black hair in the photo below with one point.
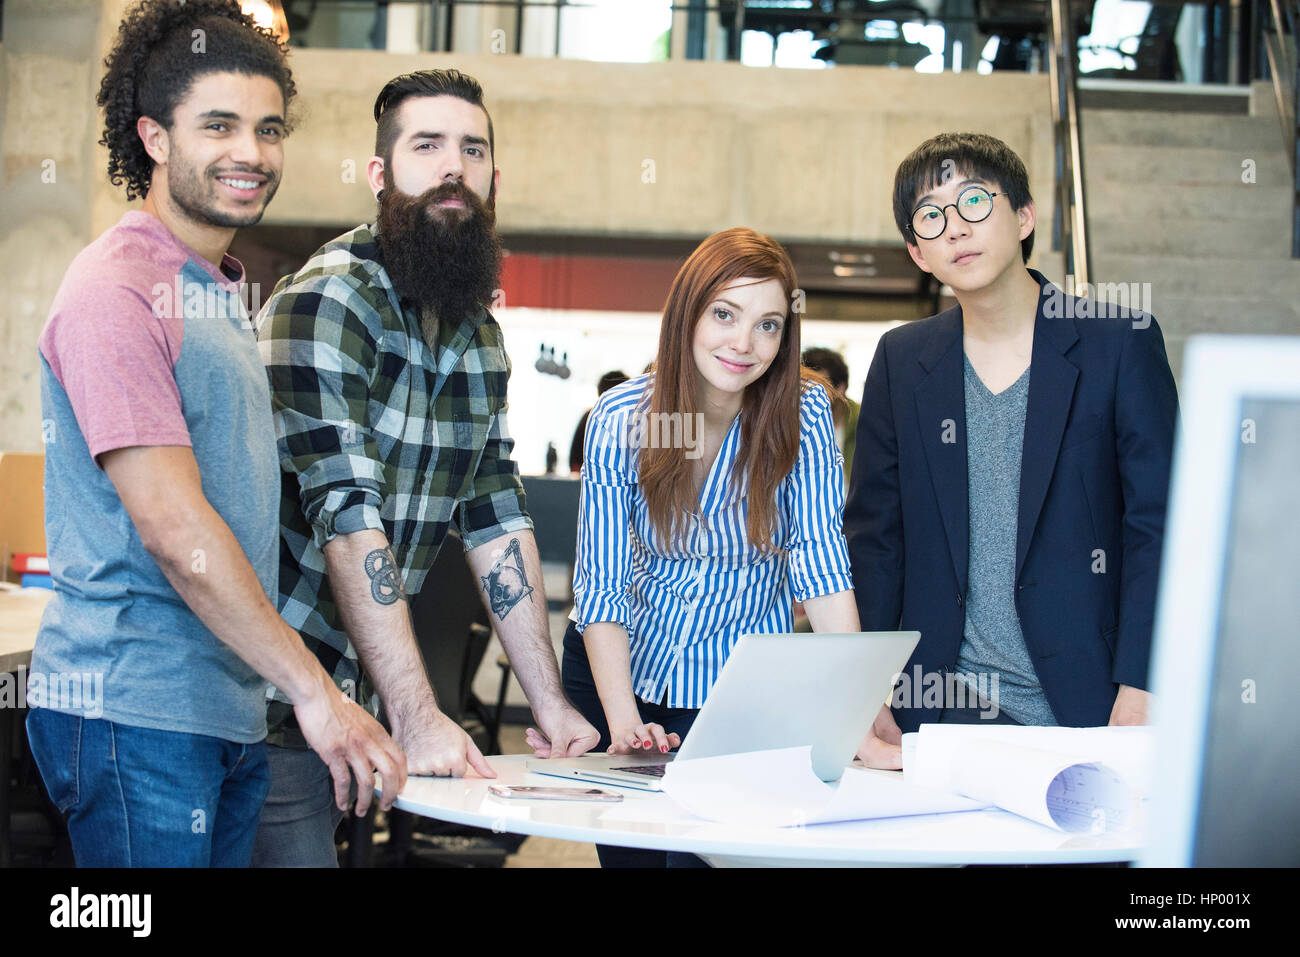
(829, 363)
(158, 55)
(609, 380)
(942, 157)
(424, 83)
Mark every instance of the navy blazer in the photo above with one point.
(1099, 431)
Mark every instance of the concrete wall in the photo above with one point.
(669, 149)
(49, 170)
(678, 148)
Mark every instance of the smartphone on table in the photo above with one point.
(511, 791)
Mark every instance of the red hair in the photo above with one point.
(769, 436)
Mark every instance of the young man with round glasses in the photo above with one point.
(1008, 492)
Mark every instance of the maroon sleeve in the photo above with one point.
(115, 360)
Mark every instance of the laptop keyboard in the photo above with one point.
(654, 770)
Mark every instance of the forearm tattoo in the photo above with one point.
(385, 579)
(506, 584)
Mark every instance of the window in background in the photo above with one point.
(1113, 40)
(987, 56)
(341, 25)
(618, 31)
(794, 50)
(915, 45)
(931, 36)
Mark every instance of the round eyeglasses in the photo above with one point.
(974, 203)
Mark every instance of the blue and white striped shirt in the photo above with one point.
(686, 604)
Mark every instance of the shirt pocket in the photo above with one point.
(469, 433)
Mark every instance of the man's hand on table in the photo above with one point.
(436, 745)
(882, 747)
(351, 742)
(1132, 706)
(564, 733)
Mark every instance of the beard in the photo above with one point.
(445, 261)
(196, 193)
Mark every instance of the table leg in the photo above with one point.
(6, 770)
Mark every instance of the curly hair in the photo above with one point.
(158, 55)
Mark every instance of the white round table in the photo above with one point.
(651, 820)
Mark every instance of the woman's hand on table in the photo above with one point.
(641, 739)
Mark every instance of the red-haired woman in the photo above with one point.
(711, 500)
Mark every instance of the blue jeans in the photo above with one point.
(300, 816)
(140, 797)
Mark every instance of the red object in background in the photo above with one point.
(34, 564)
(587, 282)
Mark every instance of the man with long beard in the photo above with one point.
(388, 380)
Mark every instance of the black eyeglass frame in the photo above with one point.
(943, 211)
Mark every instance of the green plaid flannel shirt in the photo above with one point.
(376, 431)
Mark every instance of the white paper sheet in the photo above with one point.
(778, 789)
(1075, 780)
(931, 755)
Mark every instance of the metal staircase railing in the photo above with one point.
(1072, 219)
(1282, 46)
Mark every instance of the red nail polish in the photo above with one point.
(663, 748)
(647, 744)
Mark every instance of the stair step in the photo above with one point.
(1253, 135)
(1194, 277)
(1188, 237)
(1190, 166)
(1268, 207)
(1190, 316)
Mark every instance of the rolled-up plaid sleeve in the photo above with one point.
(819, 557)
(319, 341)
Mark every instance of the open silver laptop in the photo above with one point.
(775, 691)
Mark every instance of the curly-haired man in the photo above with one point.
(161, 478)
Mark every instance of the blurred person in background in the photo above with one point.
(832, 365)
(607, 382)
